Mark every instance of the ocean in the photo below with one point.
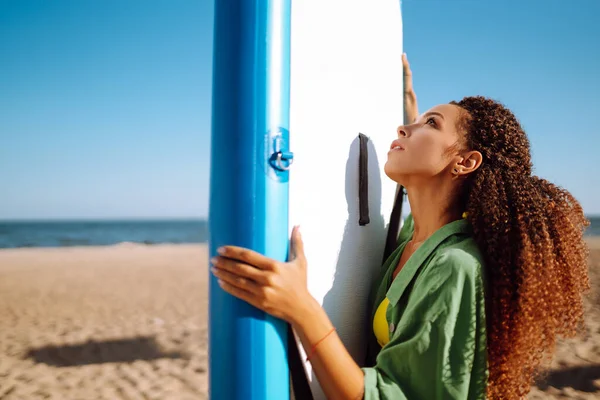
(594, 228)
(103, 233)
(100, 233)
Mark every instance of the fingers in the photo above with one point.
(235, 280)
(237, 268)
(406, 65)
(239, 293)
(248, 256)
(411, 111)
(407, 73)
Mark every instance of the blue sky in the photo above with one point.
(105, 105)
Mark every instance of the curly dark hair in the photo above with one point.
(531, 234)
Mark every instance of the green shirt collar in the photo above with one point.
(419, 256)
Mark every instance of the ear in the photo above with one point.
(468, 163)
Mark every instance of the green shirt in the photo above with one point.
(436, 316)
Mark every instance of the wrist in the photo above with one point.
(306, 314)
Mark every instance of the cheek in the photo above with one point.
(425, 155)
(430, 151)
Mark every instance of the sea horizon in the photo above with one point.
(72, 232)
(101, 232)
(102, 219)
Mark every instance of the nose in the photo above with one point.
(402, 131)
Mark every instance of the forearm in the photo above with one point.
(339, 376)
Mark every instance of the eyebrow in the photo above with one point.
(433, 113)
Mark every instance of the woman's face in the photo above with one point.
(426, 148)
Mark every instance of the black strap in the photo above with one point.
(363, 181)
(299, 380)
(394, 226)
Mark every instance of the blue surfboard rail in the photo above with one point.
(249, 189)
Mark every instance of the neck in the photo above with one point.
(431, 208)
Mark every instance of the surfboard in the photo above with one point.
(346, 79)
(305, 104)
(249, 181)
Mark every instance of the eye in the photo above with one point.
(431, 121)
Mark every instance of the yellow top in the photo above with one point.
(380, 324)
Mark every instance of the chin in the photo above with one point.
(393, 173)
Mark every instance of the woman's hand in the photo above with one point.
(411, 110)
(278, 288)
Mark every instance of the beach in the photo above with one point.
(119, 322)
(129, 321)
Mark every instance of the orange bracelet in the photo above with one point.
(312, 351)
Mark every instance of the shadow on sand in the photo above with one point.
(579, 378)
(98, 352)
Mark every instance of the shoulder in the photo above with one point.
(457, 260)
(460, 254)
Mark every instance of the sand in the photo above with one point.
(130, 322)
(120, 322)
(575, 369)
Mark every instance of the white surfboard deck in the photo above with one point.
(346, 79)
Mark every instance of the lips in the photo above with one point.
(396, 145)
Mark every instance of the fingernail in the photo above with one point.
(213, 260)
(221, 250)
(220, 282)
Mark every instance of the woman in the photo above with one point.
(489, 271)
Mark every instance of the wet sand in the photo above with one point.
(130, 322)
